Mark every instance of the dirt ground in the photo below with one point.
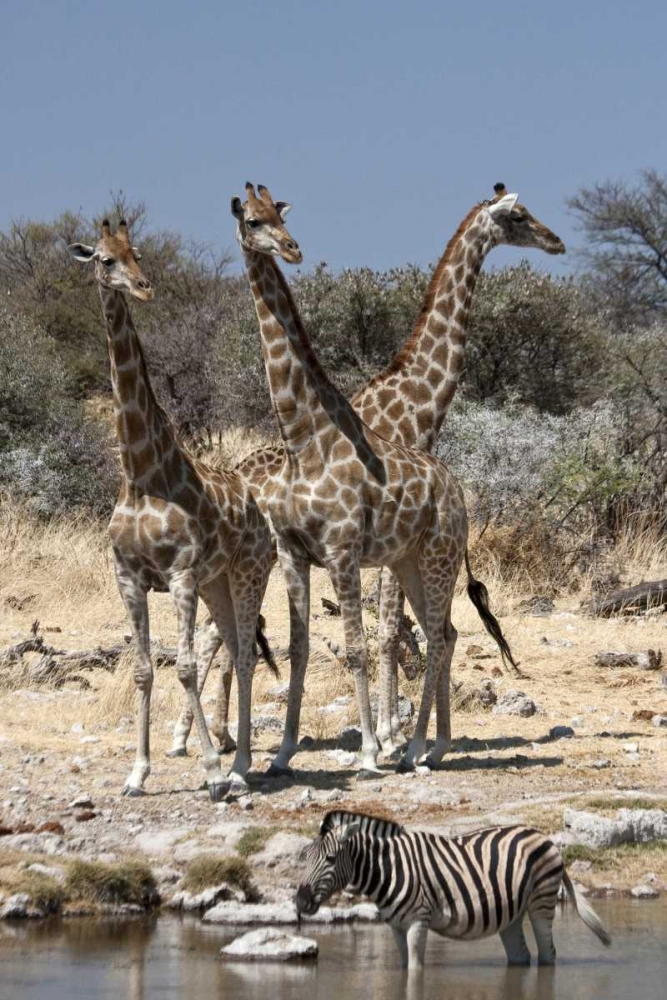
(57, 745)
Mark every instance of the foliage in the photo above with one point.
(626, 230)
(253, 840)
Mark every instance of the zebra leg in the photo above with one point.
(542, 928)
(417, 935)
(514, 942)
(400, 937)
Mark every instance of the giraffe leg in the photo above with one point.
(220, 727)
(297, 577)
(346, 579)
(183, 590)
(429, 583)
(135, 600)
(208, 648)
(247, 606)
(443, 737)
(390, 613)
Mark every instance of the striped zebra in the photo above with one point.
(460, 887)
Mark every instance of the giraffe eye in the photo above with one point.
(108, 261)
(254, 223)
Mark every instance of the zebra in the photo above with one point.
(464, 887)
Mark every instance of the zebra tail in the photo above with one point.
(586, 912)
(264, 647)
(479, 596)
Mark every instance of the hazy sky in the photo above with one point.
(382, 121)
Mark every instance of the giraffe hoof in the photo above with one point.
(132, 792)
(219, 790)
(279, 772)
(431, 764)
(238, 787)
(369, 774)
(229, 746)
(177, 752)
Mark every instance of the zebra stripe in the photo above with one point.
(463, 887)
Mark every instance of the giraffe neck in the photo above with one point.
(434, 354)
(145, 433)
(305, 402)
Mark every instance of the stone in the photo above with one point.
(306, 796)
(230, 832)
(282, 846)
(406, 708)
(48, 871)
(556, 643)
(561, 732)
(644, 892)
(601, 763)
(335, 795)
(35, 843)
(17, 907)
(279, 692)
(515, 702)
(81, 802)
(166, 876)
(284, 912)
(631, 826)
(346, 758)
(349, 738)
(270, 945)
(196, 902)
(156, 842)
(339, 704)
(630, 747)
(660, 720)
(538, 606)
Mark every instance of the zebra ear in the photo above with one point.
(349, 830)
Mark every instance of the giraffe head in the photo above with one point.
(116, 262)
(260, 225)
(513, 225)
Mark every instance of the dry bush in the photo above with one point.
(209, 870)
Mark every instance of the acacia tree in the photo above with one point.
(626, 228)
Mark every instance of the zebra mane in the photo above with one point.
(369, 824)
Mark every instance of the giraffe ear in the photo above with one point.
(348, 830)
(81, 252)
(283, 207)
(504, 206)
(237, 208)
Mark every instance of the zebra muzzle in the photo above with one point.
(303, 899)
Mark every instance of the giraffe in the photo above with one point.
(347, 498)
(177, 526)
(407, 403)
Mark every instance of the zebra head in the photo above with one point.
(330, 867)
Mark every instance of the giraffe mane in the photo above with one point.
(398, 361)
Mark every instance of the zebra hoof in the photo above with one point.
(405, 767)
(177, 752)
(130, 792)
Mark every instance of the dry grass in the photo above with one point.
(208, 870)
(253, 840)
(98, 883)
(233, 445)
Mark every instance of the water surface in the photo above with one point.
(167, 957)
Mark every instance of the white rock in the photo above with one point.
(631, 826)
(156, 842)
(645, 892)
(630, 747)
(49, 872)
(282, 846)
(230, 912)
(515, 702)
(270, 945)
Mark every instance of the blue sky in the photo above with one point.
(382, 122)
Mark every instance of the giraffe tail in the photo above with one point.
(479, 596)
(264, 647)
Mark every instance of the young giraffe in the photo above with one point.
(346, 498)
(177, 525)
(406, 403)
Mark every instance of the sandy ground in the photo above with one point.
(54, 745)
